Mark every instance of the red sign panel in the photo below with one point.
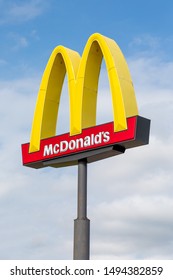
(91, 139)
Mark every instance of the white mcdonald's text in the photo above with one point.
(77, 143)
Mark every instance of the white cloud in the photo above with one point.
(134, 227)
(34, 35)
(131, 200)
(21, 11)
(16, 110)
(146, 41)
(18, 41)
(152, 80)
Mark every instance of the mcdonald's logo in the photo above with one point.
(85, 139)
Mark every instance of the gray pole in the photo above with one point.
(82, 223)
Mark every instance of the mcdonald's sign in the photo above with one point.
(85, 139)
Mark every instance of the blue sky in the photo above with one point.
(29, 30)
(132, 193)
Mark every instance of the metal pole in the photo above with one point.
(82, 223)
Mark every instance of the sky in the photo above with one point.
(130, 197)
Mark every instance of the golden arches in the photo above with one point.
(83, 75)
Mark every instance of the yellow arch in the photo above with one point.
(83, 75)
(123, 96)
(62, 60)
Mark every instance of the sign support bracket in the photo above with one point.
(82, 223)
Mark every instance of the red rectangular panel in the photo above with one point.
(91, 138)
